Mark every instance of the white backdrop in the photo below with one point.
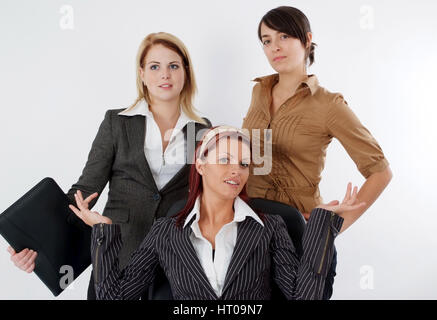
(63, 63)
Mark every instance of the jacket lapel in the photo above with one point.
(190, 132)
(184, 249)
(248, 237)
(136, 134)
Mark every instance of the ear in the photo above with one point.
(199, 166)
(141, 73)
(309, 39)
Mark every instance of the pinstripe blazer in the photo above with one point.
(259, 253)
(134, 201)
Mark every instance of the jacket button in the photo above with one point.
(156, 196)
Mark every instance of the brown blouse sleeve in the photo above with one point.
(361, 146)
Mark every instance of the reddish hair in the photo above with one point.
(195, 186)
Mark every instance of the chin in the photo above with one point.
(283, 68)
(229, 195)
(167, 97)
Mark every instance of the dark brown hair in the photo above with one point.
(292, 22)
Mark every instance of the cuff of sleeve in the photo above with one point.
(336, 223)
(105, 245)
(103, 234)
(376, 167)
(322, 228)
(321, 214)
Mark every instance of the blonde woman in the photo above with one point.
(141, 151)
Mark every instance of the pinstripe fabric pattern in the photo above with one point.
(259, 252)
(134, 201)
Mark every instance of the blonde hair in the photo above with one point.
(188, 91)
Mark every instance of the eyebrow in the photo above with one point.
(241, 159)
(157, 62)
(267, 35)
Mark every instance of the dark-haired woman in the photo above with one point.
(217, 247)
(303, 118)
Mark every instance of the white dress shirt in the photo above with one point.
(225, 241)
(163, 165)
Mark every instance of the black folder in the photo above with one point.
(42, 221)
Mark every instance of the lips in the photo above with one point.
(279, 58)
(166, 86)
(232, 182)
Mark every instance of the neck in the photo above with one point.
(291, 80)
(166, 111)
(215, 211)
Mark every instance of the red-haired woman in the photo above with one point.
(217, 246)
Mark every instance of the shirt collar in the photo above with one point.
(311, 81)
(142, 108)
(241, 211)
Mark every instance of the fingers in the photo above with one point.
(354, 195)
(79, 202)
(20, 255)
(31, 268)
(348, 192)
(24, 259)
(358, 205)
(333, 203)
(75, 210)
(91, 197)
(88, 199)
(11, 251)
(28, 264)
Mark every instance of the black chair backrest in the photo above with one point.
(160, 288)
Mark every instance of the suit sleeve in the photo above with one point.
(97, 170)
(128, 284)
(304, 279)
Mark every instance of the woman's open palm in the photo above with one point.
(89, 217)
(349, 203)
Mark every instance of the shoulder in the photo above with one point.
(328, 104)
(273, 221)
(163, 225)
(328, 98)
(208, 123)
(112, 114)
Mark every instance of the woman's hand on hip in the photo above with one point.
(89, 217)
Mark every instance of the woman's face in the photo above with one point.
(225, 169)
(163, 74)
(285, 53)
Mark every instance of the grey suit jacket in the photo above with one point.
(259, 253)
(134, 201)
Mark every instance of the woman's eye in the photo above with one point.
(266, 42)
(223, 160)
(244, 165)
(174, 66)
(284, 36)
(154, 67)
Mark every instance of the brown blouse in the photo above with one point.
(302, 129)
